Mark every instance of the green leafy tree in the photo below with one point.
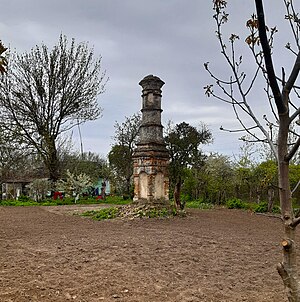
(120, 161)
(266, 176)
(245, 180)
(47, 92)
(120, 156)
(193, 184)
(183, 142)
(219, 178)
(89, 163)
(294, 173)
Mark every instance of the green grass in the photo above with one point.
(261, 207)
(117, 200)
(18, 203)
(199, 204)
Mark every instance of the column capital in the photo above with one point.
(151, 83)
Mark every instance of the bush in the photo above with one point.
(186, 197)
(199, 204)
(262, 207)
(235, 203)
(23, 198)
(206, 206)
(276, 209)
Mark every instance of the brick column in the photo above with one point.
(151, 158)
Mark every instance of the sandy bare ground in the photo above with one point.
(48, 254)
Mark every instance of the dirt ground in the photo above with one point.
(48, 254)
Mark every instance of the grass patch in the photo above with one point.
(29, 202)
(261, 207)
(199, 204)
(22, 202)
(18, 203)
(118, 200)
(130, 211)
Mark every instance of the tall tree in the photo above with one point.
(284, 111)
(120, 156)
(47, 92)
(183, 142)
(120, 162)
(219, 176)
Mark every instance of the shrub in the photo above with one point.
(199, 204)
(23, 198)
(206, 206)
(276, 209)
(235, 203)
(262, 207)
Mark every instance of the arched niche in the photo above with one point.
(143, 185)
(159, 186)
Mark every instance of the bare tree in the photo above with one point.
(281, 93)
(126, 134)
(45, 93)
(3, 61)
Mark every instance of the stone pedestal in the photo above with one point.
(151, 158)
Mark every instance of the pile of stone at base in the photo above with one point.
(135, 210)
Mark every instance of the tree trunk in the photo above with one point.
(128, 185)
(177, 191)
(53, 168)
(270, 199)
(103, 189)
(51, 161)
(288, 267)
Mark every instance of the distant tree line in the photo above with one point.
(196, 175)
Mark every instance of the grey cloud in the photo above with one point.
(171, 39)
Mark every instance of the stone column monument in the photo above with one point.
(151, 158)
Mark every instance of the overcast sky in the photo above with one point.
(167, 38)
